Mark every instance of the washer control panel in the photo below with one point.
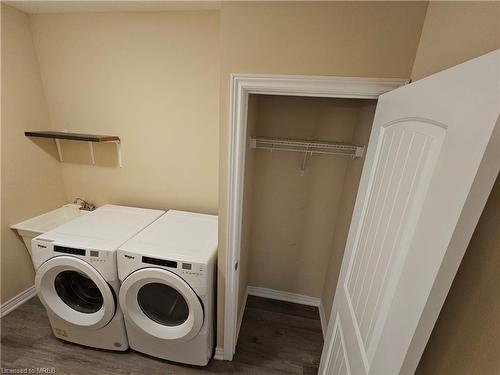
(92, 256)
(102, 260)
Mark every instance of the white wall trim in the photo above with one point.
(322, 318)
(219, 354)
(283, 296)
(241, 86)
(242, 312)
(18, 300)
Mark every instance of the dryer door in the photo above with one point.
(75, 291)
(161, 304)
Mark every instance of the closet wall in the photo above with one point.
(289, 240)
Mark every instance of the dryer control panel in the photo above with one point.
(192, 269)
(181, 267)
(129, 262)
(199, 275)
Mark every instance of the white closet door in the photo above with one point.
(432, 160)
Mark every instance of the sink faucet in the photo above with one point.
(84, 205)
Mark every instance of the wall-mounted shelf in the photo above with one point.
(308, 147)
(89, 138)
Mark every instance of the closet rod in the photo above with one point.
(307, 146)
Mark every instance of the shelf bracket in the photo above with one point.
(304, 161)
(59, 150)
(359, 152)
(91, 149)
(119, 153)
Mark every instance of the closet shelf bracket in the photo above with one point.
(304, 161)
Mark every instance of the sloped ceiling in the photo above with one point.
(84, 6)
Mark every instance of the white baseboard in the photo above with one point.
(17, 301)
(242, 312)
(322, 318)
(219, 354)
(283, 296)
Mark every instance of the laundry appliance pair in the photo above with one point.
(122, 276)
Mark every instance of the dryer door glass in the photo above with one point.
(78, 292)
(163, 304)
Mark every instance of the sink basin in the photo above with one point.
(35, 226)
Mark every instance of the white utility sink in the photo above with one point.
(35, 226)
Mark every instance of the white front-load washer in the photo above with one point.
(77, 278)
(168, 287)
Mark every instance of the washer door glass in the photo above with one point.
(78, 291)
(163, 304)
(75, 291)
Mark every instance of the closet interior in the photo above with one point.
(303, 164)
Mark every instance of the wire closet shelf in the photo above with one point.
(309, 147)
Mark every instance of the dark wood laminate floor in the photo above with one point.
(276, 338)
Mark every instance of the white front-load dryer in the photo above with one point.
(77, 278)
(168, 287)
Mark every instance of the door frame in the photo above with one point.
(292, 85)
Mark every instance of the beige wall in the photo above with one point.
(153, 80)
(376, 39)
(456, 31)
(31, 178)
(361, 136)
(465, 339)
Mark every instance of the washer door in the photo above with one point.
(75, 291)
(161, 304)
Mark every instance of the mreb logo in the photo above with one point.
(128, 256)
